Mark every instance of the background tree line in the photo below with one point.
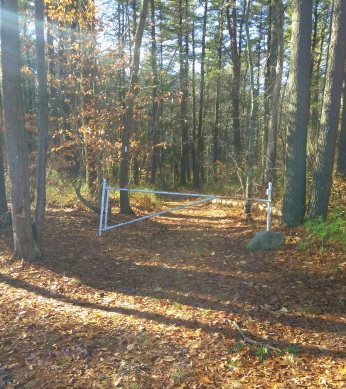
(227, 94)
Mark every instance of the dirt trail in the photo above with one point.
(153, 305)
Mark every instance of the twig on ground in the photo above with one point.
(246, 339)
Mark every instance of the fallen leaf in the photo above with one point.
(116, 379)
(168, 358)
(204, 379)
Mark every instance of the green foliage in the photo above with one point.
(236, 348)
(331, 230)
(263, 353)
(292, 349)
(59, 189)
(180, 375)
(145, 200)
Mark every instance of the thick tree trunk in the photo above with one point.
(320, 37)
(5, 216)
(323, 173)
(42, 122)
(125, 207)
(298, 112)
(16, 149)
(341, 165)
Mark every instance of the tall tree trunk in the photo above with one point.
(232, 29)
(275, 75)
(253, 111)
(194, 105)
(298, 112)
(16, 148)
(341, 164)
(42, 122)
(216, 129)
(155, 150)
(320, 37)
(125, 207)
(268, 88)
(199, 150)
(184, 88)
(323, 173)
(5, 217)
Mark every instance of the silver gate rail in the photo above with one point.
(103, 225)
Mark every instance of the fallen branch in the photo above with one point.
(246, 339)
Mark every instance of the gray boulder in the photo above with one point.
(266, 240)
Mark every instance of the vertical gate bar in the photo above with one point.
(107, 207)
(102, 205)
(269, 193)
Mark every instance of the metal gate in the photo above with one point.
(203, 198)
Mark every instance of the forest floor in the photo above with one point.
(171, 302)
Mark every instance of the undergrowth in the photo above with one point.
(332, 230)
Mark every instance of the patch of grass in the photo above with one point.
(310, 307)
(290, 355)
(337, 265)
(176, 305)
(144, 200)
(202, 253)
(301, 245)
(133, 386)
(62, 362)
(59, 190)
(181, 375)
(141, 338)
(263, 353)
(50, 343)
(293, 349)
(232, 364)
(239, 346)
(331, 230)
(106, 341)
(291, 359)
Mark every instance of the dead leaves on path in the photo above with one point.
(153, 307)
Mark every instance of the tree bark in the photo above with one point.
(341, 164)
(253, 121)
(42, 122)
(232, 29)
(298, 112)
(323, 173)
(125, 207)
(184, 89)
(16, 148)
(5, 216)
(216, 126)
(154, 133)
(199, 149)
(275, 75)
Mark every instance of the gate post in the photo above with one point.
(269, 193)
(102, 205)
